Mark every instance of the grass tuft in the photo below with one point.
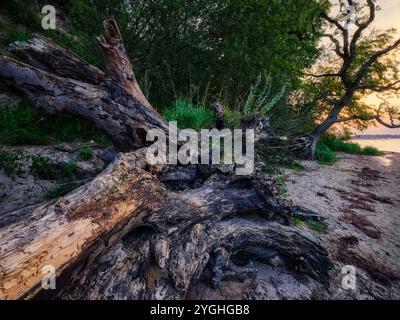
(324, 154)
(320, 227)
(189, 116)
(329, 144)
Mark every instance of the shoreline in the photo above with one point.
(360, 197)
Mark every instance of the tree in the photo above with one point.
(361, 64)
(163, 240)
(209, 50)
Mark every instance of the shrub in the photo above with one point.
(43, 167)
(371, 151)
(334, 144)
(86, 153)
(259, 98)
(189, 116)
(24, 125)
(68, 169)
(323, 154)
(9, 162)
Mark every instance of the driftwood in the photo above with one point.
(137, 231)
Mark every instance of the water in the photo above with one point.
(392, 145)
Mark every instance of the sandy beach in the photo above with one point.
(360, 196)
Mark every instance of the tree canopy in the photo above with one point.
(208, 50)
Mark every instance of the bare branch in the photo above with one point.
(336, 43)
(391, 86)
(362, 27)
(322, 75)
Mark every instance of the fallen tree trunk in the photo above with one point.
(163, 236)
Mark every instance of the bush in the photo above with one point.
(68, 169)
(86, 153)
(324, 154)
(24, 125)
(336, 144)
(371, 151)
(9, 162)
(189, 116)
(329, 144)
(231, 118)
(43, 167)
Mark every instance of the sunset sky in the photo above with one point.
(388, 17)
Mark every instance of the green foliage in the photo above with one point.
(320, 227)
(323, 154)
(335, 144)
(43, 167)
(9, 162)
(68, 169)
(232, 118)
(86, 153)
(207, 50)
(204, 50)
(24, 125)
(328, 145)
(371, 151)
(259, 99)
(282, 192)
(189, 116)
(23, 13)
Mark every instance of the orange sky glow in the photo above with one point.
(388, 17)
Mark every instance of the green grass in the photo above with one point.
(189, 116)
(324, 154)
(282, 192)
(320, 227)
(86, 153)
(371, 151)
(329, 144)
(24, 125)
(68, 169)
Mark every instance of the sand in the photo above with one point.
(360, 196)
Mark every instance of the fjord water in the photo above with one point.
(392, 145)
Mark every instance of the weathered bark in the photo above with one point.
(55, 80)
(119, 67)
(126, 234)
